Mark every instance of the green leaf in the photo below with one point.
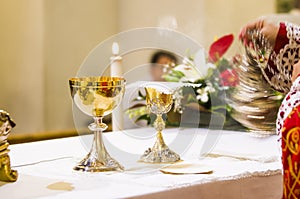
(177, 73)
(171, 78)
(143, 117)
(140, 97)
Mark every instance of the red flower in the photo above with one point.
(229, 78)
(219, 47)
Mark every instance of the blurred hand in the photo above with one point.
(267, 28)
(296, 71)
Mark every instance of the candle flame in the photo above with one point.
(115, 48)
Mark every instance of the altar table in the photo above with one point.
(244, 165)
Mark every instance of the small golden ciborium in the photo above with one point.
(97, 97)
(159, 103)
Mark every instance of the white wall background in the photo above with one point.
(202, 20)
(21, 62)
(43, 42)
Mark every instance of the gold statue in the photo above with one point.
(6, 124)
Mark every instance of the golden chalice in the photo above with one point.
(97, 97)
(159, 103)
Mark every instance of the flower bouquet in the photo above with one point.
(216, 78)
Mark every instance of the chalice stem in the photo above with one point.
(98, 149)
(98, 159)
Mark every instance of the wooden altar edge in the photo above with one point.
(17, 138)
(248, 187)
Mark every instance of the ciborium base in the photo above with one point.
(160, 153)
(162, 156)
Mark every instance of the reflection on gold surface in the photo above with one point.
(97, 96)
(155, 99)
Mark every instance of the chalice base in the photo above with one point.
(93, 164)
(159, 155)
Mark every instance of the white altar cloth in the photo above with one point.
(244, 166)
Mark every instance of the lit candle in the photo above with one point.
(116, 61)
(116, 71)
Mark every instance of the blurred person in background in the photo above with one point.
(161, 62)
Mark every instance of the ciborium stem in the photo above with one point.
(160, 143)
(159, 125)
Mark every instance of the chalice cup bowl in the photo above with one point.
(97, 97)
(159, 103)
